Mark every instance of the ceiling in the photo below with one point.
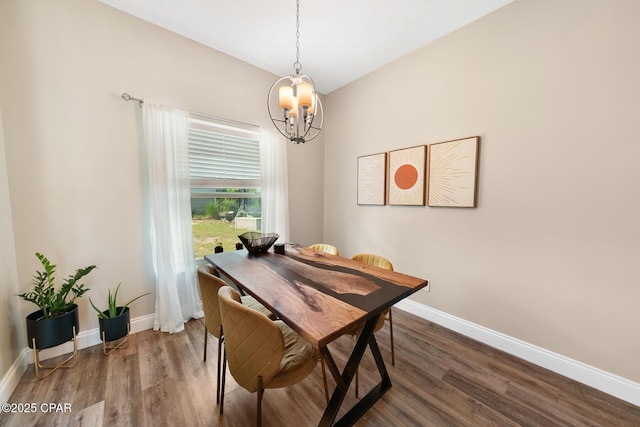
(340, 40)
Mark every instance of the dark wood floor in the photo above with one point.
(440, 379)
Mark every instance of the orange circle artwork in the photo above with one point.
(406, 176)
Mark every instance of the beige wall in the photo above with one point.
(306, 191)
(11, 332)
(74, 163)
(550, 256)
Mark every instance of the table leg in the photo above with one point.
(343, 380)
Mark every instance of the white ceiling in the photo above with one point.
(340, 40)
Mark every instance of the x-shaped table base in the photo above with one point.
(343, 380)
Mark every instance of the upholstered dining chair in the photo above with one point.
(326, 248)
(210, 284)
(378, 261)
(261, 353)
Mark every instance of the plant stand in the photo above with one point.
(62, 365)
(113, 329)
(49, 332)
(108, 349)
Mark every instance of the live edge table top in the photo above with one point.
(320, 296)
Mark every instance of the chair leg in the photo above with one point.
(259, 409)
(393, 355)
(224, 377)
(324, 378)
(206, 335)
(219, 373)
(357, 369)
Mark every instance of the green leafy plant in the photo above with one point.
(54, 301)
(212, 210)
(113, 305)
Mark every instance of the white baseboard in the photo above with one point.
(84, 340)
(12, 377)
(604, 381)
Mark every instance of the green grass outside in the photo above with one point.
(208, 232)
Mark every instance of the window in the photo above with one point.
(224, 167)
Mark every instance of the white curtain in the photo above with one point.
(275, 187)
(177, 297)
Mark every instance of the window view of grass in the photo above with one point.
(208, 232)
(214, 220)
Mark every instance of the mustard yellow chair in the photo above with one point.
(261, 353)
(210, 284)
(326, 248)
(378, 261)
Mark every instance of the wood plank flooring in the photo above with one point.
(440, 379)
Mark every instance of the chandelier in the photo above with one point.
(298, 110)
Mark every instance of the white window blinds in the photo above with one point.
(223, 156)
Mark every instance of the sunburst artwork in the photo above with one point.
(372, 173)
(453, 173)
(407, 176)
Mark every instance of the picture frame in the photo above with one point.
(407, 176)
(453, 173)
(372, 175)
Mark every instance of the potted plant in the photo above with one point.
(56, 321)
(218, 248)
(115, 321)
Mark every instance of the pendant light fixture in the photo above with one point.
(294, 101)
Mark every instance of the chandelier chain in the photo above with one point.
(296, 65)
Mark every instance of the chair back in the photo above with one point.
(375, 260)
(209, 287)
(253, 343)
(326, 248)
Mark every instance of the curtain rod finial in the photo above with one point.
(128, 97)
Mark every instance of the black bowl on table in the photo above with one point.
(258, 243)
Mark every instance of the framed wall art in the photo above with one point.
(407, 176)
(372, 175)
(453, 173)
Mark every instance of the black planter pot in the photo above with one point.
(115, 328)
(52, 331)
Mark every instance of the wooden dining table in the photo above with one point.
(322, 297)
